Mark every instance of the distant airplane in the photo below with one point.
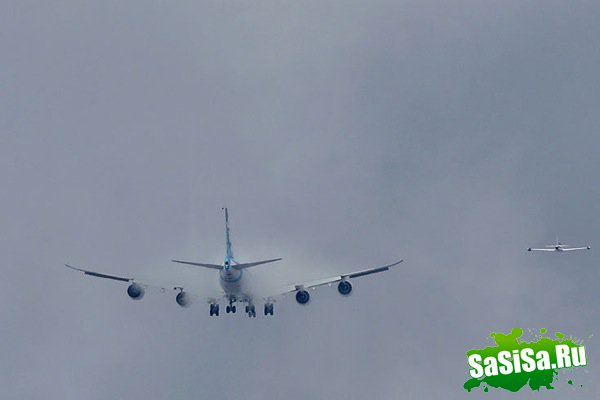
(557, 246)
(233, 278)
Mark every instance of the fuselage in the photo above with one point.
(233, 281)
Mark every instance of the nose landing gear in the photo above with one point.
(231, 307)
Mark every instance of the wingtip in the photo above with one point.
(529, 249)
(74, 268)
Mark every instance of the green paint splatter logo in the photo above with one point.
(513, 363)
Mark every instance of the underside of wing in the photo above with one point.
(578, 248)
(338, 278)
(137, 289)
(371, 270)
(100, 275)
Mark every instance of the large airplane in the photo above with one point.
(233, 280)
(558, 246)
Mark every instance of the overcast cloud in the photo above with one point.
(341, 135)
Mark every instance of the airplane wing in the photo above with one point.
(337, 278)
(137, 287)
(100, 275)
(530, 249)
(254, 264)
(578, 248)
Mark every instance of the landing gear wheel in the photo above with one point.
(268, 308)
(251, 311)
(233, 309)
(228, 309)
(214, 310)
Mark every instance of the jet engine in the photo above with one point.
(183, 299)
(136, 291)
(344, 287)
(302, 296)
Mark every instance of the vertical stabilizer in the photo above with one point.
(228, 250)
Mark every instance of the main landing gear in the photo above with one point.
(268, 308)
(231, 308)
(214, 309)
(251, 311)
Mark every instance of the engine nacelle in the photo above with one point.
(302, 296)
(136, 291)
(345, 288)
(183, 299)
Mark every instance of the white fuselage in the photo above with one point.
(235, 283)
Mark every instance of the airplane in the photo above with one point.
(233, 281)
(558, 246)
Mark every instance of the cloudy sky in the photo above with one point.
(341, 135)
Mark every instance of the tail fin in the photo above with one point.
(228, 250)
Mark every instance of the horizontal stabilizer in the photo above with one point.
(212, 266)
(254, 264)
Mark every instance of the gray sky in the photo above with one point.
(341, 135)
